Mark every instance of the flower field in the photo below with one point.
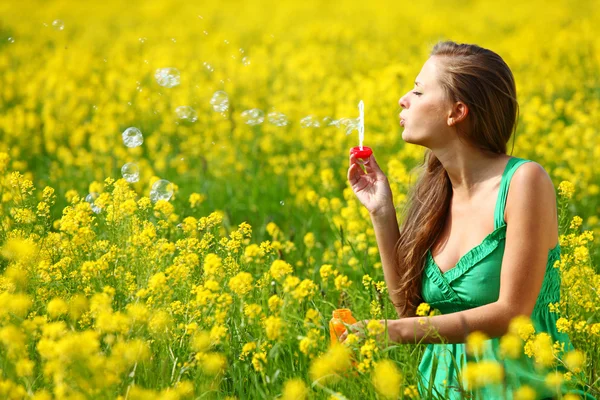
(175, 217)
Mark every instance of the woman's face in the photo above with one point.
(426, 109)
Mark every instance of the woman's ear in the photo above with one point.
(459, 113)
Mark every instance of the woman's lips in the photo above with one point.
(402, 121)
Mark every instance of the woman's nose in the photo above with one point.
(402, 102)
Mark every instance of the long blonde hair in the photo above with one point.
(483, 81)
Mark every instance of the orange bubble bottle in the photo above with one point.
(336, 324)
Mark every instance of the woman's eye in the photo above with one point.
(417, 93)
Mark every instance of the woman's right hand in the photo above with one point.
(371, 187)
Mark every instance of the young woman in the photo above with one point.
(480, 234)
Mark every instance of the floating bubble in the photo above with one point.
(282, 202)
(246, 61)
(167, 77)
(310, 122)
(130, 172)
(326, 121)
(91, 198)
(206, 33)
(208, 67)
(220, 101)
(161, 190)
(226, 41)
(58, 24)
(277, 118)
(186, 113)
(242, 51)
(173, 40)
(349, 124)
(11, 40)
(132, 137)
(142, 40)
(253, 116)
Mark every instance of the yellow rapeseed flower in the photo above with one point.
(387, 379)
(294, 389)
(475, 343)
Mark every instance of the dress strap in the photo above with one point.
(509, 171)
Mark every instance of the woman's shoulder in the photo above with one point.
(531, 189)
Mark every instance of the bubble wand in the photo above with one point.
(362, 153)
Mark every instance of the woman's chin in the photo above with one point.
(408, 138)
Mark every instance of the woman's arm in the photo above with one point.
(492, 319)
(387, 233)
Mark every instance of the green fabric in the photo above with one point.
(474, 282)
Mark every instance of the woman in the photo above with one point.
(478, 252)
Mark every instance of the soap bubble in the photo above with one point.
(350, 124)
(142, 40)
(310, 122)
(58, 24)
(91, 198)
(11, 40)
(253, 116)
(246, 61)
(220, 101)
(282, 202)
(130, 172)
(208, 67)
(277, 118)
(167, 77)
(132, 137)
(161, 190)
(186, 113)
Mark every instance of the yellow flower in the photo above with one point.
(525, 392)
(252, 310)
(423, 309)
(326, 271)
(553, 380)
(576, 222)
(541, 347)
(342, 282)
(212, 265)
(374, 327)
(575, 360)
(201, 341)
(476, 342)
(387, 379)
(327, 367)
(521, 325)
(309, 240)
(566, 189)
(563, 325)
(19, 249)
(273, 327)
(24, 367)
(213, 363)
(196, 199)
(279, 269)
(294, 389)
(259, 361)
(241, 283)
(275, 303)
(57, 307)
(247, 349)
(483, 373)
(511, 346)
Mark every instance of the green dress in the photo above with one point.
(475, 281)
